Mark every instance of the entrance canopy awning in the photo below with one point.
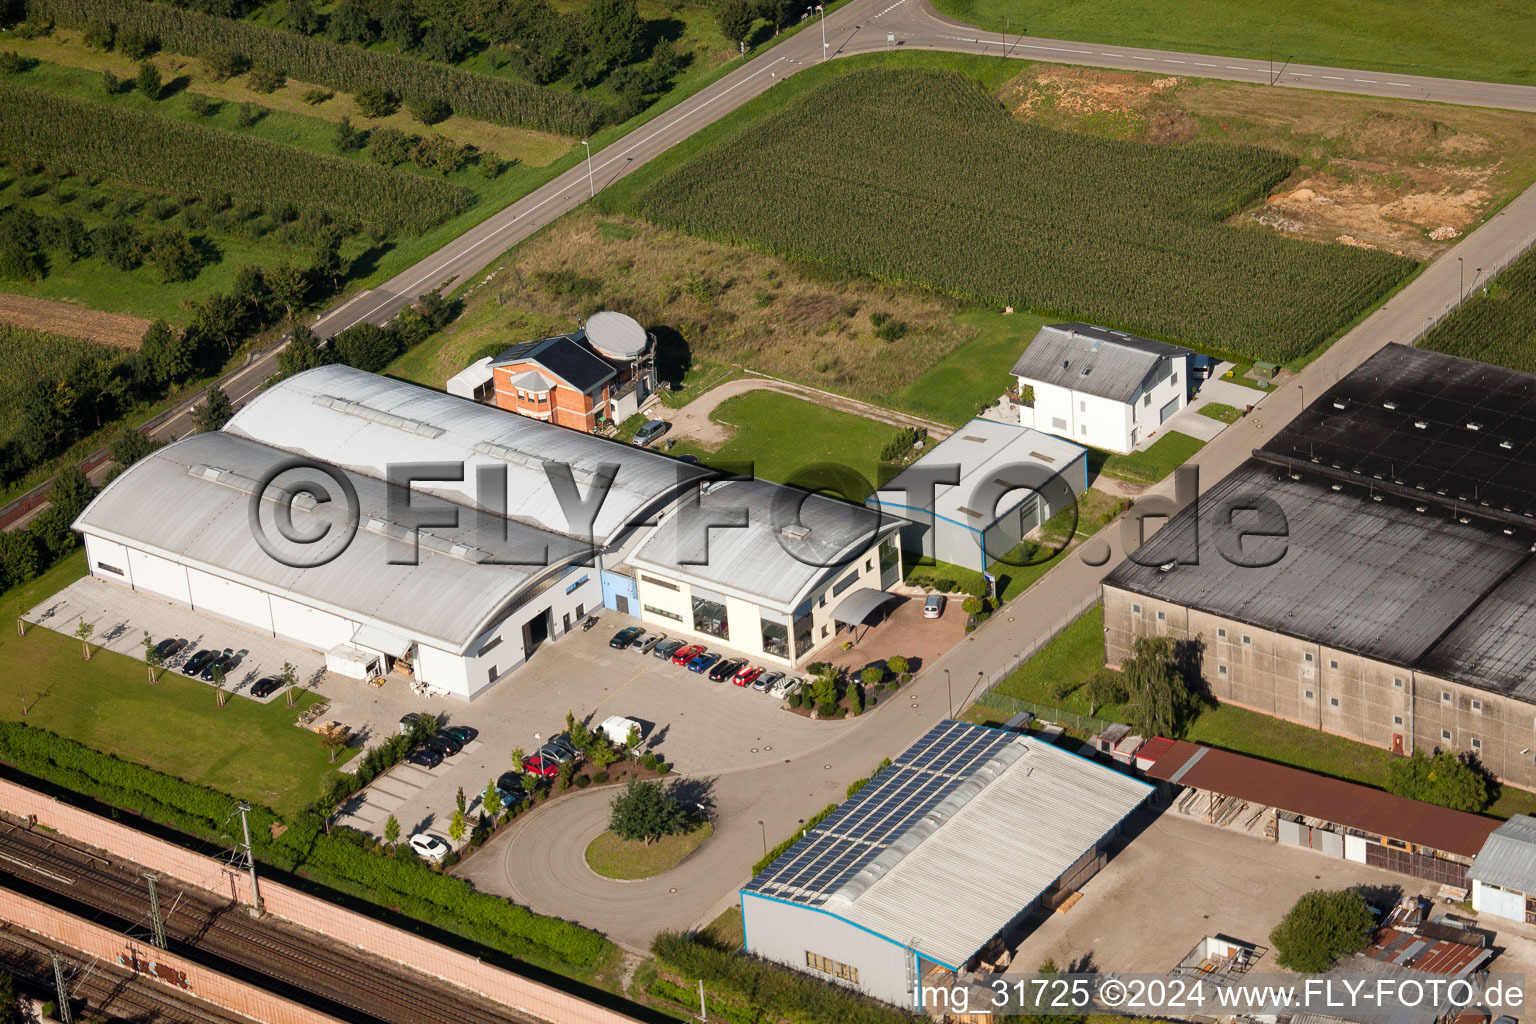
(857, 606)
(382, 640)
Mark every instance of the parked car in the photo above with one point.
(408, 721)
(462, 733)
(702, 662)
(169, 648)
(723, 671)
(195, 663)
(510, 786)
(645, 645)
(559, 755)
(429, 846)
(767, 681)
(265, 686)
(425, 756)
(784, 687)
(543, 767)
(692, 460)
(626, 636)
(685, 655)
(666, 650)
(933, 606)
(650, 432)
(615, 728)
(1200, 368)
(748, 675)
(562, 741)
(445, 744)
(220, 661)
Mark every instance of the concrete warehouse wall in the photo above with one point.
(310, 912)
(20, 911)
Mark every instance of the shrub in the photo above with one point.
(583, 781)
(148, 81)
(12, 62)
(224, 64)
(872, 675)
(248, 115)
(265, 80)
(376, 102)
(826, 709)
(137, 45)
(431, 111)
(1321, 927)
(200, 105)
(98, 35)
(600, 777)
(795, 700)
(897, 664)
(314, 96)
(891, 330)
(649, 762)
(111, 84)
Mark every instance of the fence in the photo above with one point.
(1013, 706)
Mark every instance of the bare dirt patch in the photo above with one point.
(1398, 175)
(117, 329)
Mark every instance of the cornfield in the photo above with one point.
(1497, 324)
(922, 177)
(336, 65)
(170, 156)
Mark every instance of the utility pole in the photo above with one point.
(250, 861)
(65, 1013)
(1461, 266)
(1005, 35)
(703, 1010)
(156, 924)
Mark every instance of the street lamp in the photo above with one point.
(1461, 268)
(591, 183)
(765, 836)
(951, 705)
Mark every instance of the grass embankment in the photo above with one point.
(1221, 413)
(1054, 677)
(1482, 40)
(627, 860)
(245, 748)
(1154, 462)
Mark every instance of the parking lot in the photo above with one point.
(121, 617)
(702, 728)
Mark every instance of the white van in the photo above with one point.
(616, 729)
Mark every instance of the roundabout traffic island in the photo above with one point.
(630, 859)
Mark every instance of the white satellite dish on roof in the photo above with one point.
(617, 336)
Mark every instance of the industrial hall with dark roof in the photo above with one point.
(1399, 606)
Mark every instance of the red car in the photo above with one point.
(543, 767)
(687, 654)
(747, 676)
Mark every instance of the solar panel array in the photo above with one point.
(880, 813)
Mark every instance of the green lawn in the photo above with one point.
(1485, 40)
(976, 373)
(248, 749)
(1166, 454)
(1055, 675)
(1218, 411)
(1239, 375)
(625, 859)
(780, 435)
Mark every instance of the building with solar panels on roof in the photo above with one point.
(1399, 607)
(950, 847)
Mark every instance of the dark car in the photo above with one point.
(170, 647)
(685, 655)
(666, 650)
(445, 744)
(543, 767)
(564, 742)
(626, 636)
(462, 733)
(725, 670)
(702, 662)
(266, 686)
(196, 663)
(425, 756)
(511, 788)
(218, 661)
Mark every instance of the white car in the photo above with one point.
(429, 846)
(933, 606)
(784, 687)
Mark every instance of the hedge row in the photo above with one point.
(340, 860)
(337, 65)
(172, 156)
(735, 983)
(783, 848)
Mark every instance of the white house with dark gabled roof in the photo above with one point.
(1101, 388)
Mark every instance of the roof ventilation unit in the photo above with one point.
(1474, 426)
(1389, 405)
(1421, 424)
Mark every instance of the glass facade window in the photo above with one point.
(804, 630)
(890, 563)
(664, 613)
(775, 637)
(709, 614)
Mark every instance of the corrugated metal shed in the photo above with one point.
(1508, 858)
(1095, 360)
(945, 848)
(190, 502)
(771, 559)
(378, 421)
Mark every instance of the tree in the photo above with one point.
(265, 80)
(289, 287)
(374, 102)
(613, 33)
(603, 755)
(824, 688)
(447, 42)
(18, 557)
(301, 353)
(490, 800)
(1157, 697)
(646, 811)
(302, 17)
(118, 243)
(129, 446)
(214, 411)
(1323, 926)
(391, 830)
(219, 694)
(456, 826)
(136, 45)
(632, 740)
(350, 23)
(11, 1009)
(898, 664)
(223, 63)
(873, 675)
(400, 26)
(21, 256)
(459, 801)
(325, 250)
(147, 81)
(1104, 687)
(173, 256)
(855, 701)
(735, 18)
(71, 491)
(290, 676)
(329, 800)
(366, 346)
(84, 631)
(347, 138)
(973, 606)
(168, 352)
(152, 657)
(1445, 778)
(334, 741)
(431, 111)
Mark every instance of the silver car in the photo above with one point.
(784, 687)
(648, 644)
(767, 681)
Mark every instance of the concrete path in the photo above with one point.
(696, 419)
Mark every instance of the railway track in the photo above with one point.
(107, 990)
(281, 958)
